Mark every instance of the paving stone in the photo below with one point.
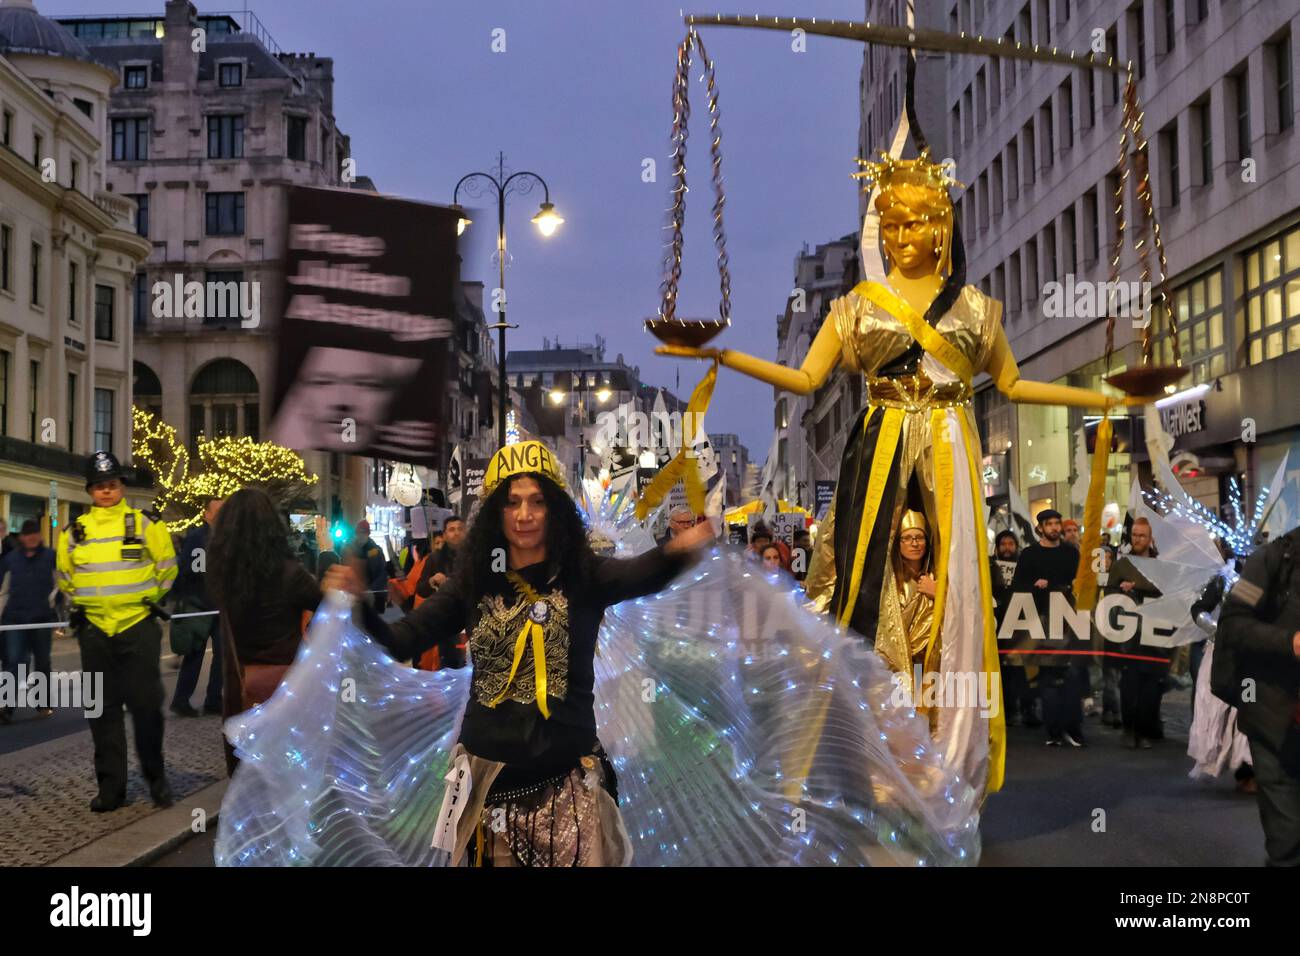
(45, 790)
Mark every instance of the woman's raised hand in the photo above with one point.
(686, 351)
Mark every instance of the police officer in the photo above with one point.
(111, 561)
(1258, 647)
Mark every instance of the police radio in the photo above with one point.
(132, 547)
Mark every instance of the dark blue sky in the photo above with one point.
(582, 95)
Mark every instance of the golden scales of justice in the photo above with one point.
(1147, 379)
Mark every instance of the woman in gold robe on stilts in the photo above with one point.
(919, 338)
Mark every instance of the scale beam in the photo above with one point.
(937, 40)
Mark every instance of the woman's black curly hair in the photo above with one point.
(247, 549)
(567, 548)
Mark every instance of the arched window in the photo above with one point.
(224, 401)
(146, 390)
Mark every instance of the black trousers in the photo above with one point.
(192, 666)
(1140, 690)
(1062, 691)
(131, 678)
(1278, 778)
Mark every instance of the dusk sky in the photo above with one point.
(582, 95)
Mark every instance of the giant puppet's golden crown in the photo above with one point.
(919, 172)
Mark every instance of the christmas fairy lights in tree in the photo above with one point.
(221, 466)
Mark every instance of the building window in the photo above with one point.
(1048, 121)
(1199, 307)
(1031, 154)
(104, 313)
(4, 394)
(297, 135)
(140, 300)
(6, 257)
(1090, 92)
(1014, 288)
(1281, 55)
(146, 390)
(1032, 290)
(225, 214)
(103, 419)
(141, 213)
(222, 291)
(1067, 115)
(225, 137)
(1272, 294)
(1207, 150)
(1241, 90)
(1112, 48)
(1169, 146)
(230, 74)
(33, 396)
(224, 401)
(1093, 214)
(131, 139)
(73, 297)
(36, 273)
(74, 173)
(1067, 241)
(38, 147)
(1013, 171)
(7, 129)
(1169, 25)
(72, 410)
(1138, 26)
(135, 77)
(1049, 253)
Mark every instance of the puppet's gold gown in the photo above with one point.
(918, 429)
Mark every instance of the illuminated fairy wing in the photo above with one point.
(344, 765)
(747, 731)
(1188, 560)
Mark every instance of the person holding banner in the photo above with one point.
(919, 336)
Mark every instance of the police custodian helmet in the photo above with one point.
(102, 466)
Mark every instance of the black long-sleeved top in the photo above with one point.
(514, 731)
(1260, 616)
(1055, 565)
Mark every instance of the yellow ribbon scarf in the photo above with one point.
(1085, 579)
(921, 330)
(677, 470)
(531, 630)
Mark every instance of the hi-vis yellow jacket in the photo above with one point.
(111, 577)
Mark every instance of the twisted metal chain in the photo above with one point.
(1151, 231)
(1117, 247)
(677, 213)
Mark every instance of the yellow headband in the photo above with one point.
(521, 458)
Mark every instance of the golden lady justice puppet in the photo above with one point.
(919, 337)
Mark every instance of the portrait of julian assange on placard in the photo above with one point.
(341, 398)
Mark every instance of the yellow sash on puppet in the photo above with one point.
(677, 470)
(532, 630)
(1085, 578)
(945, 475)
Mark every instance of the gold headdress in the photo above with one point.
(892, 171)
(914, 519)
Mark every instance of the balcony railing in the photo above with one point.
(18, 452)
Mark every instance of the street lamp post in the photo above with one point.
(546, 220)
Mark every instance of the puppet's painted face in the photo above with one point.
(910, 241)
